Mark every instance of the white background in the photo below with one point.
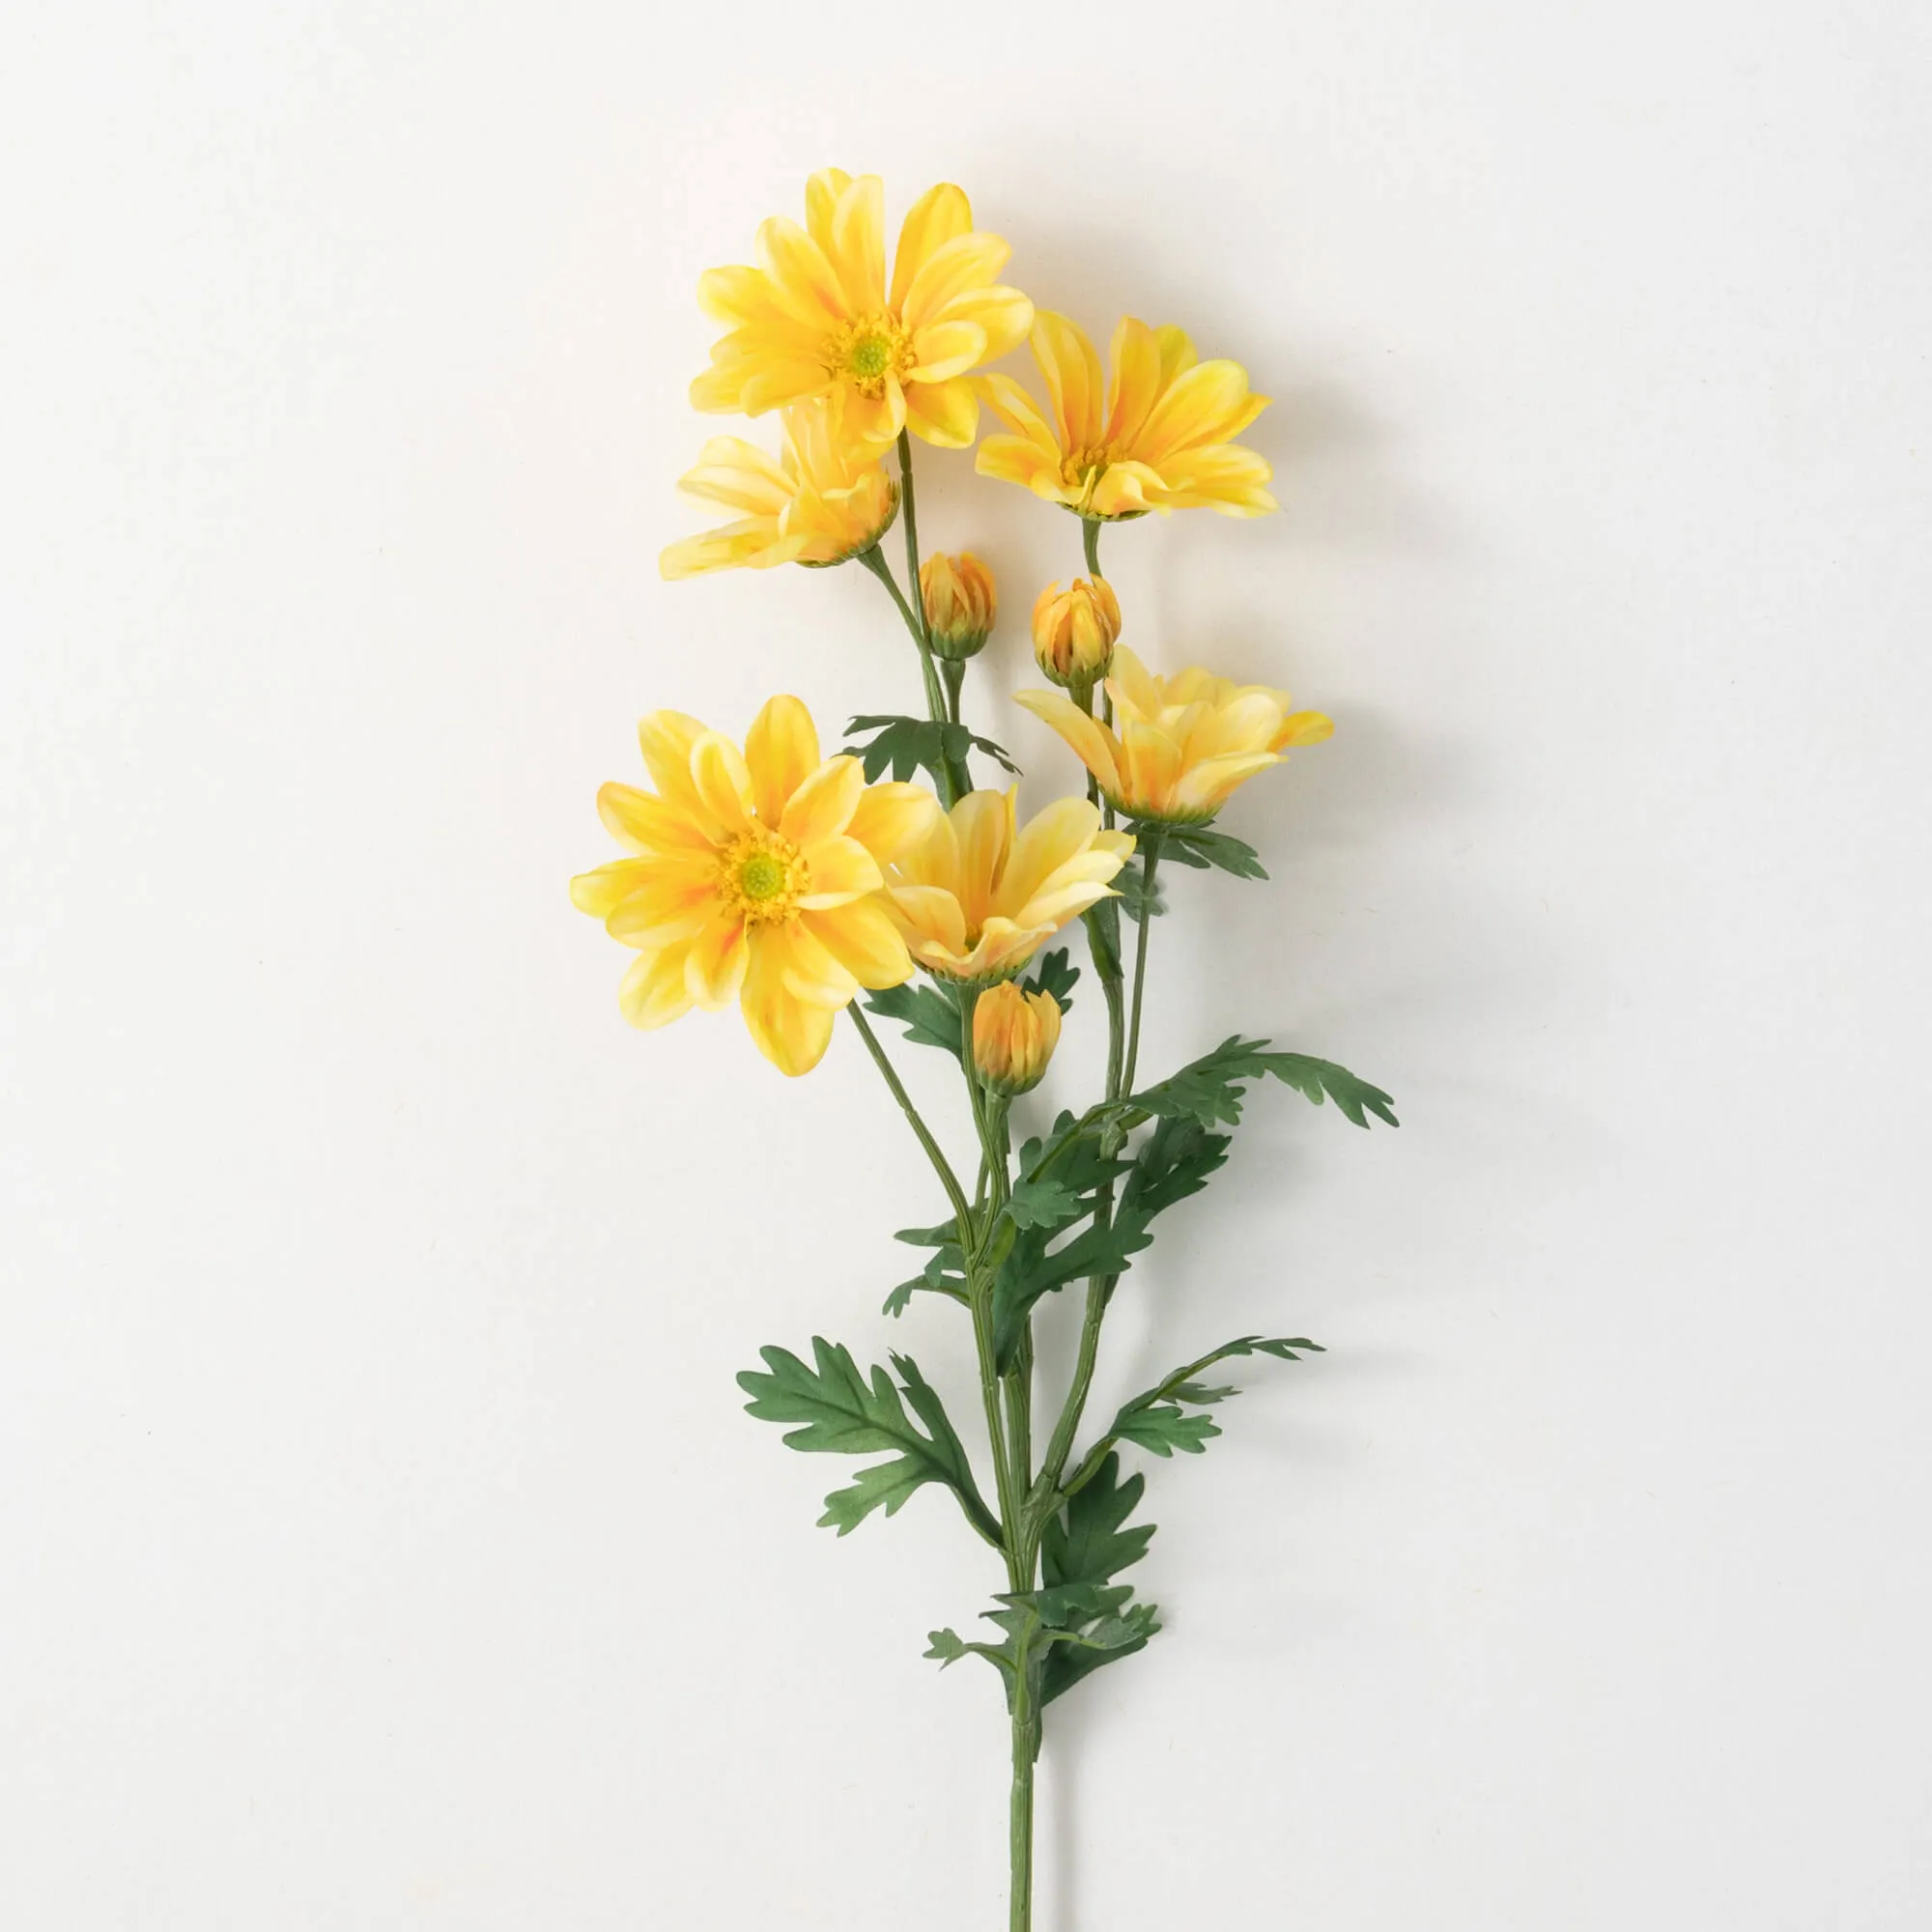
(381, 1541)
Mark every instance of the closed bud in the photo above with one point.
(1014, 1033)
(1074, 630)
(960, 604)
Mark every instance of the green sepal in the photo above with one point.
(1197, 846)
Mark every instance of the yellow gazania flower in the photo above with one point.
(1180, 745)
(1014, 1033)
(756, 875)
(815, 317)
(822, 502)
(977, 895)
(1160, 436)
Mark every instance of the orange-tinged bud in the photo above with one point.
(1014, 1033)
(961, 603)
(1074, 630)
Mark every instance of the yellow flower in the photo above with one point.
(816, 316)
(1160, 437)
(756, 875)
(1073, 631)
(821, 502)
(1180, 745)
(977, 895)
(1014, 1033)
(961, 603)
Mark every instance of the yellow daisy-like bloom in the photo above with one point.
(1014, 1033)
(756, 876)
(977, 895)
(1158, 435)
(816, 316)
(821, 501)
(1180, 745)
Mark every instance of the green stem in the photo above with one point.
(1119, 1084)
(958, 775)
(1150, 859)
(935, 698)
(1026, 1749)
(941, 1166)
(1089, 539)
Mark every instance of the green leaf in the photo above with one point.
(1086, 1543)
(1197, 846)
(1029, 1270)
(839, 1411)
(1165, 1428)
(907, 745)
(1051, 974)
(946, 1645)
(1133, 897)
(1210, 1088)
(1157, 1420)
(1174, 1163)
(928, 1016)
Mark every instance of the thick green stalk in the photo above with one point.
(1089, 539)
(1026, 1749)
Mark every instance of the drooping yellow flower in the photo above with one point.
(1158, 435)
(1180, 745)
(756, 875)
(977, 895)
(823, 501)
(816, 316)
(1014, 1033)
(961, 603)
(1074, 631)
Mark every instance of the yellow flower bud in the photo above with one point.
(1073, 631)
(1014, 1033)
(961, 603)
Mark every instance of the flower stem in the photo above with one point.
(1150, 859)
(941, 1166)
(1026, 1749)
(958, 775)
(1089, 539)
(935, 698)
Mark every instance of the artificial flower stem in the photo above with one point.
(1089, 542)
(1150, 859)
(1026, 1749)
(874, 560)
(959, 776)
(941, 1166)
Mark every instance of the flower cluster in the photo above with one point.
(887, 879)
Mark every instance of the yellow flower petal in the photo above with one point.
(722, 782)
(1136, 381)
(946, 415)
(672, 903)
(803, 282)
(821, 198)
(714, 967)
(822, 807)
(600, 892)
(781, 751)
(892, 817)
(966, 263)
(858, 248)
(840, 871)
(937, 217)
(647, 824)
(653, 991)
(1073, 382)
(946, 350)
(1303, 727)
(1090, 742)
(863, 938)
(666, 738)
(1052, 837)
(790, 1034)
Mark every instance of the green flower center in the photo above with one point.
(762, 877)
(871, 356)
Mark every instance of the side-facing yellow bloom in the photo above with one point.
(1074, 631)
(961, 603)
(1158, 435)
(1180, 745)
(756, 876)
(977, 895)
(816, 316)
(1014, 1033)
(821, 501)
